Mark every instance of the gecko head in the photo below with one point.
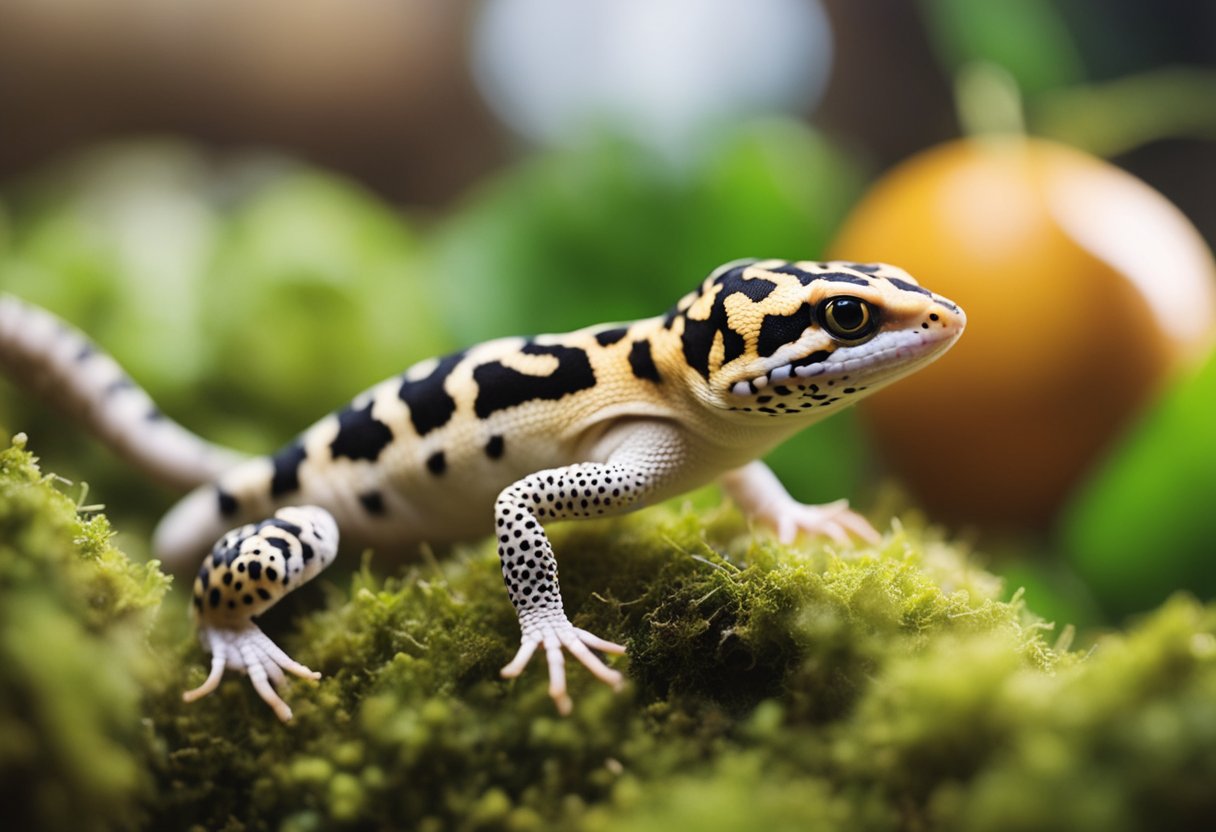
(772, 338)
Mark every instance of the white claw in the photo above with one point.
(554, 635)
(833, 520)
(248, 650)
(596, 643)
(763, 498)
(522, 657)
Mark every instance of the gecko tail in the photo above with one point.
(59, 364)
(189, 529)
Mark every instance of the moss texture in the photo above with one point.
(75, 667)
(770, 687)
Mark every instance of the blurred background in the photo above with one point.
(261, 208)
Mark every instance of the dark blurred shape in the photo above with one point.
(887, 93)
(378, 90)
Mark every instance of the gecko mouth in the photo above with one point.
(886, 354)
(805, 367)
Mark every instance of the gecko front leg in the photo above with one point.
(762, 497)
(246, 573)
(644, 456)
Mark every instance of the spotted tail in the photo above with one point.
(63, 367)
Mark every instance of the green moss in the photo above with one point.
(770, 687)
(73, 624)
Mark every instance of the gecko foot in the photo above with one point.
(249, 650)
(834, 520)
(553, 631)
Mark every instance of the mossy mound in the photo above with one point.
(770, 687)
(75, 666)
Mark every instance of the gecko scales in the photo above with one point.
(508, 435)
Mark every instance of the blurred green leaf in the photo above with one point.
(1144, 526)
(249, 295)
(1028, 38)
(315, 293)
(614, 231)
(1118, 116)
(1052, 589)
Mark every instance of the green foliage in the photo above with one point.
(314, 293)
(249, 297)
(613, 232)
(1120, 115)
(74, 663)
(1026, 38)
(1144, 524)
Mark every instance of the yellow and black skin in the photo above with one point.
(510, 434)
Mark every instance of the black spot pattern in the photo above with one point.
(778, 330)
(500, 387)
(806, 396)
(756, 288)
(430, 405)
(291, 528)
(227, 503)
(698, 339)
(437, 463)
(841, 277)
(286, 478)
(360, 435)
(372, 502)
(245, 566)
(608, 337)
(641, 361)
(699, 335)
(529, 567)
(908, 287)
(804, 277)
(814, 358)
(496, 447)
(119, 384)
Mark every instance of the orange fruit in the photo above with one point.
(1084, 290)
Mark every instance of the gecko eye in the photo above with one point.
(847, 319)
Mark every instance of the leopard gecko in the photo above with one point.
(508, 435)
